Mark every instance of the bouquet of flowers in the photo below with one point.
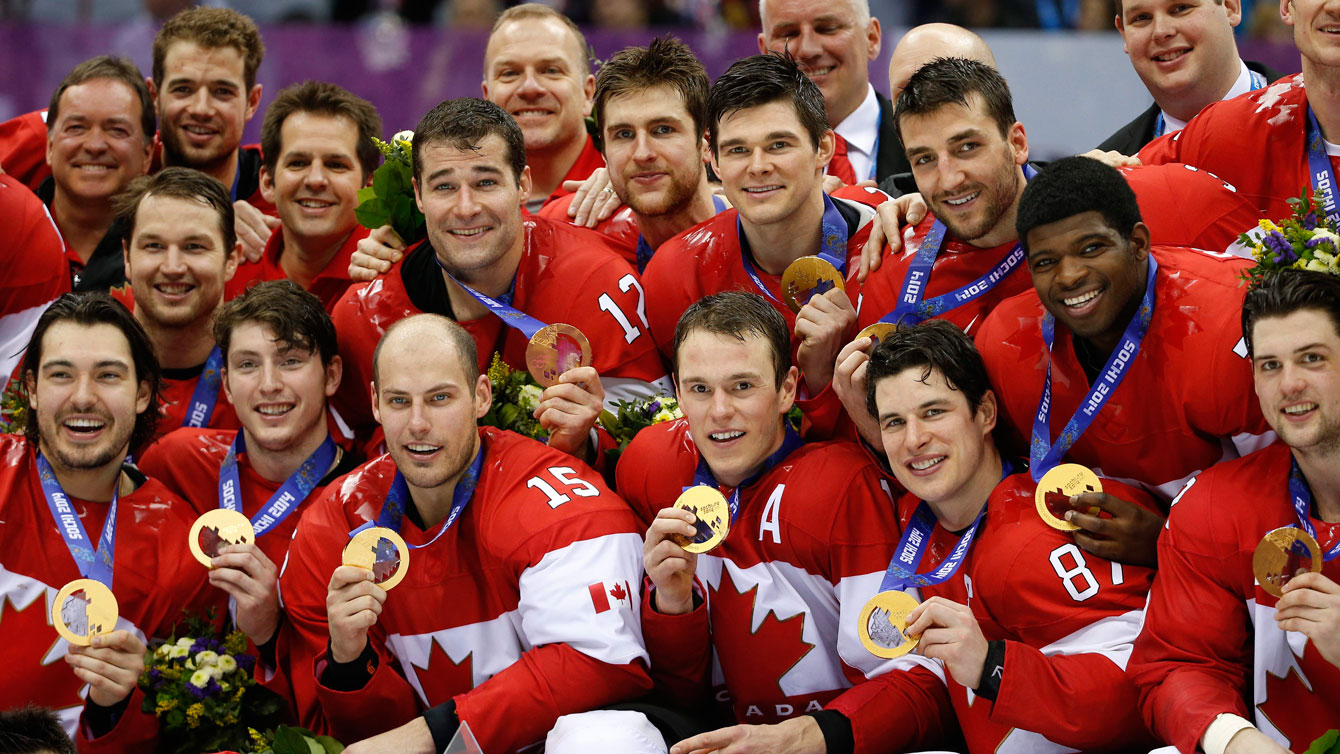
(633, 417)
(1305, 241)
(515, 396)
(14, 408)
(202, 691)
(290, 740)
(390, 198)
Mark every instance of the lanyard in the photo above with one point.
(832, 242)
(206, 392)
(393, 511)
(287, 498)
(1319, 169)
(1044, 455)
(1258, 80)
(96, 565)
(913, 309)
(874, 151)
(703, 475)
(510, 315)
(644, 250)
(1302, 505)
(902, 571)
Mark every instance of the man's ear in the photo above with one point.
(483, 396)
(987, 412)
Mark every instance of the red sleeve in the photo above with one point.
(29, 236)
(23, 148)
(357, 338)
(1165, 149)
(900, 710)
(667, 295)
(387, 701)
(134, 731)
(1189, 670)
(680, 647)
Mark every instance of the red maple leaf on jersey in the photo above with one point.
(1302, 715)
(443, 679)
(619, 593)
(753, 661)
(28, 637)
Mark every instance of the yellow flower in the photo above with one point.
(260, 744)
(193, 714)
(1268, 226)
(165, 705)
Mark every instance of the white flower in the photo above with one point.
(200, 678)
(178, 652)
(185, 642)
(227, 664)
(1324, 256)
(162, 651)
(529, 397)
(207, 658)
(662, 416)
(1316, 265)
(406, 136)
(1328, 235)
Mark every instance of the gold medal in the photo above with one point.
(806, 277)
(83, 609)
(877, 333)
(381, 551)
(553, 350)
(217, 529)
(883, 624)
(713, 513)
(1281, 554)
(1052, 496)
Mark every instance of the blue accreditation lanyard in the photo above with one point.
(832, 242)
(96, 565)
(1302, 505)
(644, 250)
(902, 571)
(703, 475)
(1319, 168)
(913, 308)
(393, 510)
(1258, 80)
(510, 315)
(287, 498)
(206, 392)
(1042, 453)
(874, 151)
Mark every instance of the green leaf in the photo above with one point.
(372, 214)
(1329, 743)
(290, 741)
(330, 745)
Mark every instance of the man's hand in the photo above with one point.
(569, 408)
(111, 666)
(901, 213)
(670, 566)
(595, 199)
(823, 325)
(849, 384)
(411, 738)
(1253, 741)
(250, 578)
(1311, 606)
(1131, 536)
(353, 603)
(799, 735)
(253, 229)
(375, 254)
(949, 633)
(1111, 158)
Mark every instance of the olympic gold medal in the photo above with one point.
(1052, 497)
(713, 513)
(806, 277)
(883, 624)
(381, 551)
(217, 529)
(83, 609)
(1281, 554)
(553, 350)
(877, 332)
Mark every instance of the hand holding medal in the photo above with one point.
(555, 349)
(712, 517)
(808, 277)
(1282, 554)
(215, 530)
(381, 551)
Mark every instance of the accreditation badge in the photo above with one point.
(553, 350)
(1052, 496)
(83, 609)
(883, 624)
(807, 277)
(713, 518)
(1281, 554)
(380, 550)
(217, 529)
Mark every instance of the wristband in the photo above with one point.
(1221, 731)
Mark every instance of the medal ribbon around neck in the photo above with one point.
(703, 475)
(392, 514)
(96, 565)
(287, 498)
(1301, 495)
(1043, 454)
(913, 309)
(832, 246)
(1319, 169)
(206, 391)
(510, 315)
(902, 570)
(644, 250)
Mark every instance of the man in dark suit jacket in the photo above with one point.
(1186, 56)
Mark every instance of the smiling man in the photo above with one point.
(180, 250)
(1125, 357)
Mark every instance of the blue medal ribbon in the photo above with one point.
(832, 246)
(206, 392)
(1301, 495)
(96, 565)
(1042, 453)
(287, 498)
(510, 315)
(1319, 168)
(913, 309)
(902, 571)
(644, 250)
(703, 474)
(393, 510)
(1258, 80)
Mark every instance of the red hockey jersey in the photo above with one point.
(1210, 639)
(620, 229)
(587, 162)
(329, 284)
(1186, 403)
(176, 395)
(521, 612)
(23, 148)
(36, 272)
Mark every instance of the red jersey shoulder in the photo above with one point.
(619, 229)
(185, 453)
(1186, 206)
(655, 466)
(23, 148)
(867, 195)
(715, 238)
(1228, 507)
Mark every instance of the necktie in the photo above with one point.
(840, 166)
